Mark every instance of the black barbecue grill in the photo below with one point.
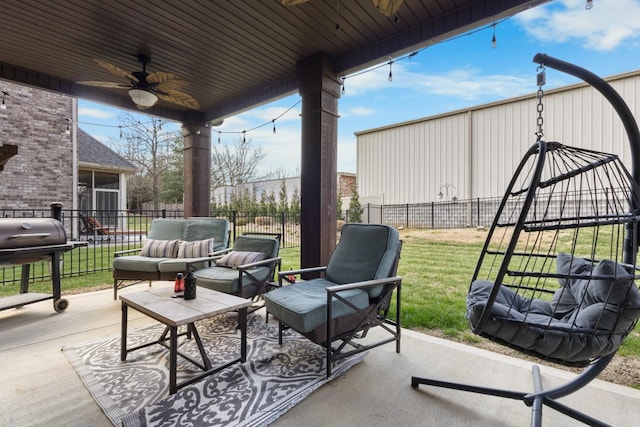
(28, 240)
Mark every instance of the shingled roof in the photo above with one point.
(93, 152)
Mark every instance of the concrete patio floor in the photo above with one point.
(40, 388)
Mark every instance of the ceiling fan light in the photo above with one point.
(143, 98)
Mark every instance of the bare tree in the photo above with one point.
(236, 163)
(152, 149)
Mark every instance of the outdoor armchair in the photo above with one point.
(353, 294)
(244, 269)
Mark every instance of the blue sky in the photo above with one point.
(448, 76)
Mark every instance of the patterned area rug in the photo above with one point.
(273, 380)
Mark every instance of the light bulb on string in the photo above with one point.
(494, 42)
(3, 105)
(588, 5)
(244, 136)
(219, 133)
(67, 131)
(390, 77)
(274, 125)
(120, 131)
(342, 90)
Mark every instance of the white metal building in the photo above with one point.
(472, 153)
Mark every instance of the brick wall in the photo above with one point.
(41, 172)
(346, 184)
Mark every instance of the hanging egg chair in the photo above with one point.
(556, 275)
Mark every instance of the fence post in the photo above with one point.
(406, 219)
(282, 219)
(164, 213)
(433, 215)
(234, 217)
(478, 211)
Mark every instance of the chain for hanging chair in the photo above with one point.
(541, 80)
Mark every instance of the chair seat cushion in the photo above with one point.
(137, 263)
(303, 306)
(224, 279)
(584, 333)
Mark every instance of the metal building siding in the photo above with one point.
(414, 161)
(476, 150)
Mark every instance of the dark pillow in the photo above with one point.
(195, 249)
(236, 258)
(160, 248)
(563, 301)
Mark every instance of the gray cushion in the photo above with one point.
(137, 263)
(160, 248)
(166, 229)
(179, 265)
(365, 252)
(224, 279)
(598, 312)
(200, 228)
(303, 306)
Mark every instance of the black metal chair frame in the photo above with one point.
(540, 397)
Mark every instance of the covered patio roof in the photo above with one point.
(235, 55)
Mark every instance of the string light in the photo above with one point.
(274, 125)
(68, 129)
(588, 5)
(219, 133)
(390, 77)
(244, 136)
(494, 42)
(3, 105)
(342, 83)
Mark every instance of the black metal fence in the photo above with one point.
(110, 231)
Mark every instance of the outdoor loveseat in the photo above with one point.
(171, 247)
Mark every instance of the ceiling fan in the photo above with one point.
(145, 88)
(387, 7)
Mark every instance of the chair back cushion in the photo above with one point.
(270, 247)
(166, 229)
(202, 228)
(365, 252)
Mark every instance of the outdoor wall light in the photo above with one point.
(143, 98)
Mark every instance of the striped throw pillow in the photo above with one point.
(236, 258)
(160, 248)
(195, 249)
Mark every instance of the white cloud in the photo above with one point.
(471, 84)
(358, 111)
(96, 113)
(606, 26)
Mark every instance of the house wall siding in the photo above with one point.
(472, 153)
(42, 171)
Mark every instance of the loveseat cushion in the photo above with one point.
(137, 263)
(303, 306)
(160, 248)
(166, 229)
(202, 228)
(195, 249)
(181, 265)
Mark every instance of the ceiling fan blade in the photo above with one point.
(293, 2)
(171, 85)
(179, 98)
(163, 77)
(115, 70)
(105, 84)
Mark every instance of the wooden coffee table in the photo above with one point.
(158, 304)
